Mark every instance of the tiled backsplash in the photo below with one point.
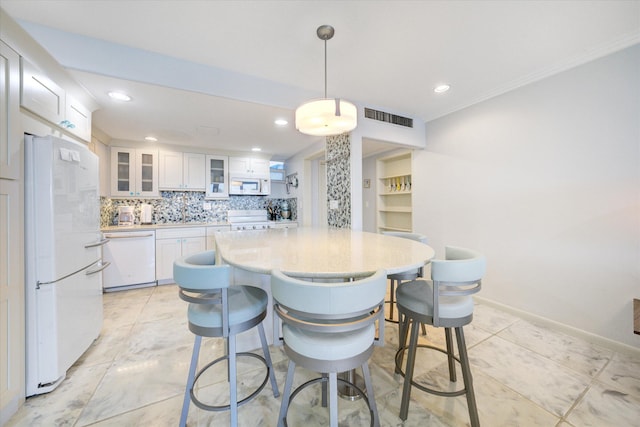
(188, 206)
(339, 180)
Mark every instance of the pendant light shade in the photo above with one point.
(326, 116)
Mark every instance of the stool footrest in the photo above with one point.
(398, 358)
(326, 379)
(215, 408)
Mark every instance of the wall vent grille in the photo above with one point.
(381, 116)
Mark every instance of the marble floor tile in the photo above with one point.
(525, 374)
(623, 374)
(567, 350)
(63, 406)
(545, 382)
(604, 406)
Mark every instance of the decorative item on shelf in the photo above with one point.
(326, 116)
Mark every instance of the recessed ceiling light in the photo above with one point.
(281, 122)
(441, 88)
(256, 149)
(119, 96)
(150, 138)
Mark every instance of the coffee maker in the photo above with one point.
(126, 215)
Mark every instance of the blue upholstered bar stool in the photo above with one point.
(329, 328)
(444, 301)
(219, 310)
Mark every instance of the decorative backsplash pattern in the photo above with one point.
(188, 206)
(339, 180)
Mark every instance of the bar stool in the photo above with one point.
(444, 301)
(397, 279)
(219, 310)
(329, 328)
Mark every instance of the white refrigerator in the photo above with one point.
(63, 253)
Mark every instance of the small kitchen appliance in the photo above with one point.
(126, 215)
(285, 212)
(146, 213)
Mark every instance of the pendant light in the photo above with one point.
(326, 116)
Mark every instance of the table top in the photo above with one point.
(320, 252)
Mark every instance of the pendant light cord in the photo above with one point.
(325, 69)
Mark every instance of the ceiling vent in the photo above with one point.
(381, 116)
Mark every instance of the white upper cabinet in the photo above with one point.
(42, 96)
(134, 172)
(247, 167)
(217, 177)
(78, 118)
(10, 135)
(182, 171)
(170, 170)
(194, 171)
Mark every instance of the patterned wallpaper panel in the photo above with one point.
(339, 180)
(187, 206)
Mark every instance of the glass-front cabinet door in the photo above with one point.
(217, 177)
(134, 172)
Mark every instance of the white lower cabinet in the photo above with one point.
(173, 243)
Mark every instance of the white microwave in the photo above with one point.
(249, 186)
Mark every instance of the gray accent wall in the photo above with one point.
(545, 181)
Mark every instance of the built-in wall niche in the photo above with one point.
(394, 192)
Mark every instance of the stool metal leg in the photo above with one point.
(372, 401)
(267, 357)
(233, 385)
(408, 376)
(450, 357)
(468, 379)
(324, 386)
(333, 399)
(286, 394)
(190, 380)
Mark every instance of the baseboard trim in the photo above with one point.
(569, 330)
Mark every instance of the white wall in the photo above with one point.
(545, 180)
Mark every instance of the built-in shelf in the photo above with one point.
(394, 189)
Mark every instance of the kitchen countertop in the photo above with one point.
(136, 227)
(320, 252)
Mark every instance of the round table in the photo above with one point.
(320, 252)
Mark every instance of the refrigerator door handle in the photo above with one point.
(101, 242)
(101, 266)
(39, 283)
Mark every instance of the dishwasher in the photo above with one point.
(132, 255)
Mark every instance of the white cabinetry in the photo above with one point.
(12, 328)
(134, 172)
(394, 204)
(173, 243)
(248, 167)
(217, 177)
(10, 135)
(211, 235)
(42, 96)
(181, 171)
